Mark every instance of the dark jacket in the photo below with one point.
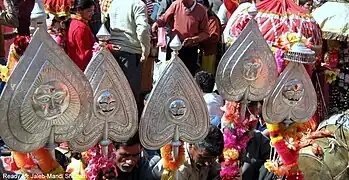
(258, 151)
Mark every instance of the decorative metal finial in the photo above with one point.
(253, 10)
(176, 44)
(300, 53)
(103, 34)
(38, 14)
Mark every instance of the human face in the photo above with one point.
(127, 157)
(308, 5)
(87, 13)
(201, 157)
(187, 3)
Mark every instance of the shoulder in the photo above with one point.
(139, 3)
(201, 8)
(77, 25)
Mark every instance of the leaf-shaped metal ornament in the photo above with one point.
(114, 114)
(47, 98)
(248, 69)
(293, 98)
(176, 109)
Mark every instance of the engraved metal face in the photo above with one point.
(45, 90)
(294, 97)
(50, 100)
(248, 68)
(115, 114)
(252, 69)
(106, 103)
(178, 108)
(293, 92)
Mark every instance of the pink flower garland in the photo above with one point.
(98, 162)
(236, 137)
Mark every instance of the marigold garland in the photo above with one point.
(168, 162)
(37, 164)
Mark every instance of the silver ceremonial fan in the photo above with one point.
(47, 99)
(247, 71)
(176, 109)
(294, 97)
(114, 114)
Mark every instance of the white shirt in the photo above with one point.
(214, 103)
(129, 26)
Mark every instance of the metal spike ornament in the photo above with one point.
(248, 70)
(46, 100)
(294, 97)
(176, 109)
(115, 114)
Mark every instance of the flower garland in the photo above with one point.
(98, 162)
(36, 165)
(287, 142)
(169, 163)
(16, 51)
(236, 137)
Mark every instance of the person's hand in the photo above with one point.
(109, 175)
(143, 58)
(189, 42)
(154, 27)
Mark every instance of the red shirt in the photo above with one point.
(80, 43)
(187, 24)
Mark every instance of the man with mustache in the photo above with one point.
(132, 162)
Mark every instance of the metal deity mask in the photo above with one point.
(47, 98)
(176, 108)
(115, 114)
(248, 69)
(294, 97)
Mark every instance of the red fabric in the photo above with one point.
(231, 6)
(186, 24)
(80, 43)
(287, 156)
(58, 7)
(287, 17)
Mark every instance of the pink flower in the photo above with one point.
(98, 162)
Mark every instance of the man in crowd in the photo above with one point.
(201, 161)
(306, 4)
(132, 162)
(190, 23)
(130, 30)
(210, 46)
(214, 102)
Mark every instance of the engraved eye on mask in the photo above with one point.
(50, 100)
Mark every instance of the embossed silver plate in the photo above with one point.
(45, 92)
(248, 68)
(113, 101)
(294, 97)
(176, 103)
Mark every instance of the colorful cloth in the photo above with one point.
(80, 43)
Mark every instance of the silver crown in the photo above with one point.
(301, 54)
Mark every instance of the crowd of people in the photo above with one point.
(134, 27)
